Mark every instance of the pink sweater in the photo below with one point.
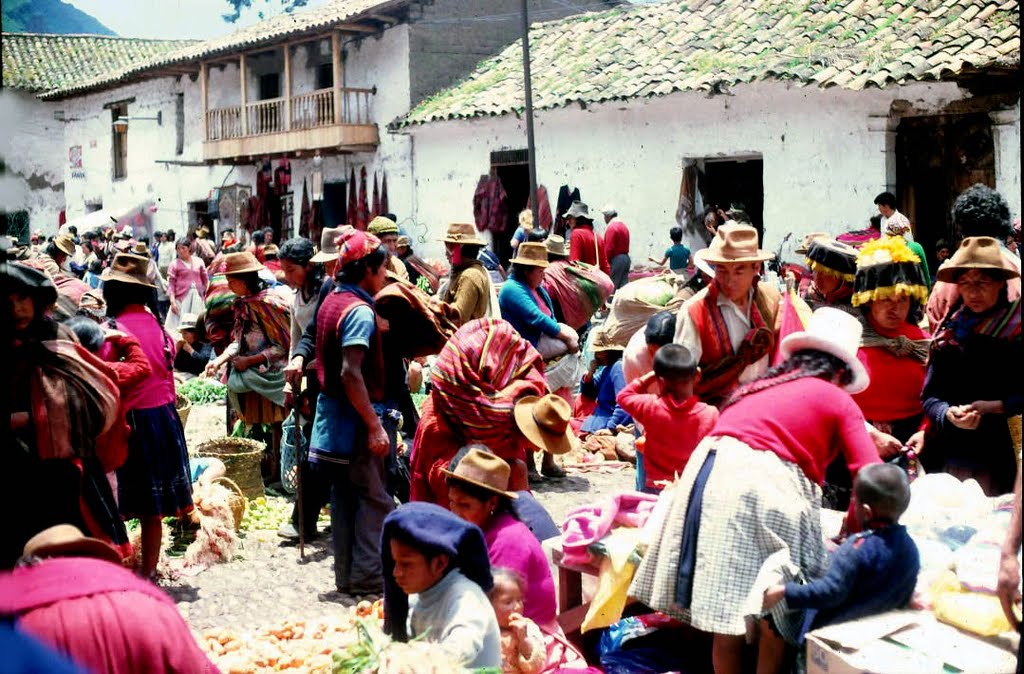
(157, 389)
(181, 276)
(511, 545)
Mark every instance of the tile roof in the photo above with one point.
(657, 49)
(43, 62)
(266, 32)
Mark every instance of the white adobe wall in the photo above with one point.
(170, 186)
(35, 156)
(823, 163)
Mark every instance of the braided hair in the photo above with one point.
(802, 364)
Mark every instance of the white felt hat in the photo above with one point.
(837, 333)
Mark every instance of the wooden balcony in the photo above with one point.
(327, 120)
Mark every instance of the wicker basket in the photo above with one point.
(241, 457)
(237, 502)
(184, 406)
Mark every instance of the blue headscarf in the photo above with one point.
(438, 529)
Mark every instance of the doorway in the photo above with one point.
(735, 181)
(513, 170)
(937, 158)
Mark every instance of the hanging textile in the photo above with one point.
(282, 177)
(686, 214)
(363, 210)
(304, 214)
(490, 205)
(384, 208)
(481, 203)
(376, 199)
(353, 205)
(544, 219)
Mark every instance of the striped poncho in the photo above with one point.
(268, 312)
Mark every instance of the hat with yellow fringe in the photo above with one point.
(887, 268)
(832, 257)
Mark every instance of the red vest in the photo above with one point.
(329, 319)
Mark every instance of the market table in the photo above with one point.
(571, 607)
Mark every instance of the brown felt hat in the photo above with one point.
(463, 233)
(734, 242)
(128, 268)
(484, 469)
(140, 250)
(805, 245)
(532, 254)
(328, 245)
(976, 252)
(545, 422)
(65, 540)
(602, 342)
(241, 263)
(65, 244)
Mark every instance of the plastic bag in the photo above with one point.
(290, 454)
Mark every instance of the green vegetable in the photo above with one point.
(202, 391)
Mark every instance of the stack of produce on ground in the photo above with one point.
(376, 653)
(201, 391)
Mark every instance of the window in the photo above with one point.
(179, 123)
(119, 141)
(270, 86)
(325, 76)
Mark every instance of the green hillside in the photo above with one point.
(49, 16)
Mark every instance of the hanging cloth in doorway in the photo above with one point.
(376, 198)
(490, 205)
(353, 204)
(363, 210)
(384, 193)
(282, 177)
(564, 203)
(544, 220)
(304, 214)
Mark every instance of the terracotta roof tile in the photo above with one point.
(657, 49)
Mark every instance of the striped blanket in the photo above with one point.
(481, 372)
(270, 311)
(580, 290)
(220, 315)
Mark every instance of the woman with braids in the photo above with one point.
(745, 512)
(155, 480)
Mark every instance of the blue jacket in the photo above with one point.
(605, 387)
(872, 572)
(519, 308)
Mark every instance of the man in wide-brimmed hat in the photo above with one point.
(585, 244)
(732, 326)
(469, 288)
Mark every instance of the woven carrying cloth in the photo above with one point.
(580, 289)
(479, 375)
(759, 525)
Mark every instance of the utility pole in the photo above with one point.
(527, 87)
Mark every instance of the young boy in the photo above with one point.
(674, 420)
(437, 574)
(677, 255)
(873, 571)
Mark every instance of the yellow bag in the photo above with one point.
(974, 612)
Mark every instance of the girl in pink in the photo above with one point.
(154, 481)
(187, 280)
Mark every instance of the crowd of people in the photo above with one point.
(753, 407)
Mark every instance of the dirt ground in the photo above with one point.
(268, 582)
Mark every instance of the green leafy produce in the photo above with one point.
(201, 391)
(657, 293)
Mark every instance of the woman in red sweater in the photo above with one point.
(748, 503)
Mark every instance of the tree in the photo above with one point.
(238, 6)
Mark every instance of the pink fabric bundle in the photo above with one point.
(588, 524)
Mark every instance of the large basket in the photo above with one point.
(184, 406)
(241, 457)
(237, 501)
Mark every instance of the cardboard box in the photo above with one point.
(904, 641)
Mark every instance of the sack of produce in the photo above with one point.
(636, 302)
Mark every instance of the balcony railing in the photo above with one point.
(308, 111)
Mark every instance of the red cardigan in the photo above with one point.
(806, 421)
(896, 381)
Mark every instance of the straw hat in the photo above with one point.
(328, 247)
(485, 470)
(241, 263)
(555, 245)
(65, 244)
(65, 540)
(128, 268)
(140, 250)
(531, 254)
(545, 422)
(403, 242)
(976, 252)
(188, 322)
(835, 332)
(602, 342)
(832, 257)
(734, 242)
(578, 210)
(463, 233)
(381, 226)
(805, 245)
(703, 265)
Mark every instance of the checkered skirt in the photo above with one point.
(759, 525)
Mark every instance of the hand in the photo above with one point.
(887, 445)
(773, 596)
(517, 624)
(986, 407)
(1007, 586)
(293, 372)
(378, 441)
(916, 442)
(593, 368)
(573, 343)
(963, 418)
(241, 363)
(212, 367)
(174, 308)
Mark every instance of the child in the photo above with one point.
(522, 644)
(436, 572)
(678, 255)
(873, 571)
(674, 421)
